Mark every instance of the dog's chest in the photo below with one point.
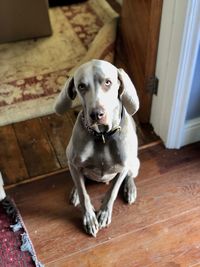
(101, 162)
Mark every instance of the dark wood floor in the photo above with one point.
(33, 148)
(160, 229)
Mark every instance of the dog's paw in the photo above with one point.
(130, 191)
(104, 217)
(90, 223)
(74, 197)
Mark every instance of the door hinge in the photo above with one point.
(152, 85)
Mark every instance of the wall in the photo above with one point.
(191, 132)
(193, 110)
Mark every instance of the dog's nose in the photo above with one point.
(97, 114)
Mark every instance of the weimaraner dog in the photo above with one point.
(103, 145)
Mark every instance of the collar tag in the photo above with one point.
(103, 138)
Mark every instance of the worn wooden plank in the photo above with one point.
(59, 130)
(37, 151)
(158, 160)
(12, 163)
(166, 191)
(171, 243)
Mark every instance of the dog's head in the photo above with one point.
(100, 86)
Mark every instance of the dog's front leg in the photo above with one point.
(105, 213)
(90, 222)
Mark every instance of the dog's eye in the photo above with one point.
(108, 83)
(81, 86)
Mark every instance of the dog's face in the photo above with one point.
(97, 85)
(101, 87)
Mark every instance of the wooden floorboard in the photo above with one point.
(160, 229)
(12, 164)
(170, 243)
(37, 151)
(59, 130)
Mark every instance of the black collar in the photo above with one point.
(103, 136)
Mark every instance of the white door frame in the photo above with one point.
(177, 52)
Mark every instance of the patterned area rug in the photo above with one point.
(16, 249)
(33, 72)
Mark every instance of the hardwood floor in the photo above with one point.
(160, 229)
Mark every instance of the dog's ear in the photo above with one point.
(127, 93)
(64, 99)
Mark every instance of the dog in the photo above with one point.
(103, 145)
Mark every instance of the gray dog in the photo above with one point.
(103, 145)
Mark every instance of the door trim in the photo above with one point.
(177, 53)
(191, 132)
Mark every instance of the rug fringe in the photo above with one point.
(16, 227)
(13, 212)
(27, 246)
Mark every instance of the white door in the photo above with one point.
(177, 55)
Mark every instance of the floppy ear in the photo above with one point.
(128, 93)
(64, 99)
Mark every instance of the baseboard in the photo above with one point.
(191, 132)
(2, 192)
